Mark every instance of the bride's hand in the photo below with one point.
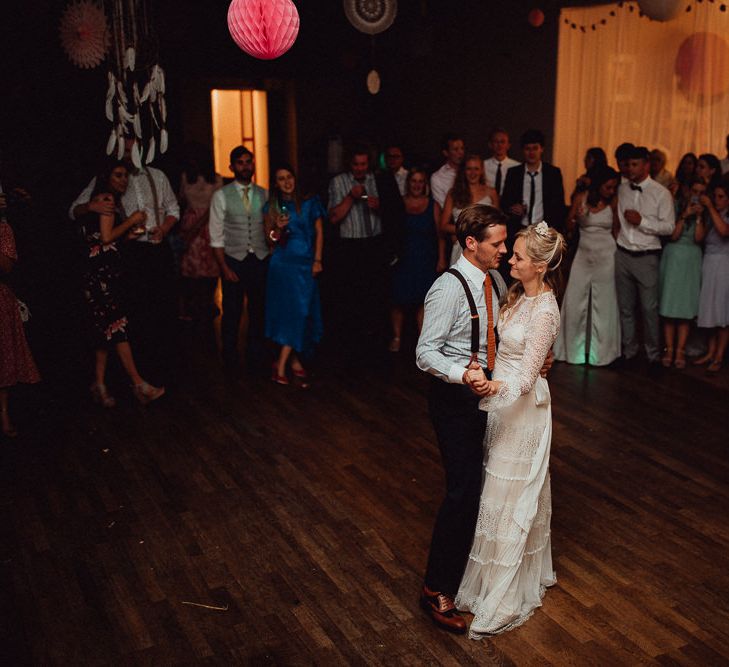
(493, 387)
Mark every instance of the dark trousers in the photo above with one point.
(460, 428)
(251, 273)
(360, 292)
(150, 298)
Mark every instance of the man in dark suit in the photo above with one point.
(533, 191)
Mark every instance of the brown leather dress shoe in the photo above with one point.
(442, 611)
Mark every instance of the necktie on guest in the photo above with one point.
(532, 195)
(497, 181)
(246, 198)
(490, 333)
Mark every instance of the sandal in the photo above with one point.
(667, 358)
(702, 360)
(680, 362)
(394, 345)
(101, 396)
(145, 393)
(714, 366)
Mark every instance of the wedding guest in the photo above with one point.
(148, 262)
(198, 267)
(622, 159)
(533, 191)
(16, 361)
(441, 182)
(360, 258)
(708, 169)
(685, 173)
(714, 297)
(590, 330)
(103, 287)
(423, 255)
(645, 213)
(595, 160)
(499, 163)
(394, 159)
(680, 277)
(293, 312)
(469, 188)
(658, 171)
(238, 240)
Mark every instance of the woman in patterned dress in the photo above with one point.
(102, 283)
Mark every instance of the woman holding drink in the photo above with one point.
(102, 283)
(293, 312)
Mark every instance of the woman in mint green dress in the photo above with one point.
(680, 277)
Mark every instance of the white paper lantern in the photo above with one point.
(661, 10)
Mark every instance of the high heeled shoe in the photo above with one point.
(145, 393)
(101, 396)
(714, 367)
(667, 358)
(680, 361)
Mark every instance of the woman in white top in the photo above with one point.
(590, 330)
(510, 564)
(468, 188)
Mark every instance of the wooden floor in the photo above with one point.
(255, 524)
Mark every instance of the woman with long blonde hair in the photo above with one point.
(510, 564)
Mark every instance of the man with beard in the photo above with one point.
(148, 262)
(238, 240)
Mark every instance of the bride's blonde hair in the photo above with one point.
(544, 245)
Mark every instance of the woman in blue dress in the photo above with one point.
(293, 312)
(423, 255)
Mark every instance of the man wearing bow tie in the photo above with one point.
(645, 212)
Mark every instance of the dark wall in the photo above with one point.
(465, 65)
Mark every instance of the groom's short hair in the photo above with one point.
(477, 220)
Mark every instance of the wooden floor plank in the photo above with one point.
(298, 524)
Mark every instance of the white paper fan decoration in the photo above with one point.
(84, 34)
(371, 16)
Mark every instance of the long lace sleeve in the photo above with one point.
(540, 334)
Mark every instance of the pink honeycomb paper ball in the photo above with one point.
(264, 29)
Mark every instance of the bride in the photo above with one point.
(510, 564)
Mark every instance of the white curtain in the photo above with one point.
(660, 85)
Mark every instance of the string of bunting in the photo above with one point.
(635, 9)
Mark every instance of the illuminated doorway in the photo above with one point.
(240, 117)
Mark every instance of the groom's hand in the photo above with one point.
(476, 381)
(547, 364)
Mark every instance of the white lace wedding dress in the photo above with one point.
(510, 563)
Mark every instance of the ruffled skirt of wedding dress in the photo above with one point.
(509, 567)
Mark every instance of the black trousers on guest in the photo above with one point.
(460, 428)
(251, 273)
(149, 281)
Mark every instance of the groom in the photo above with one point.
(445, 351)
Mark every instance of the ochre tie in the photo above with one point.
(490, 333)
(246, 198)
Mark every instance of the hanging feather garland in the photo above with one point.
(133, 66)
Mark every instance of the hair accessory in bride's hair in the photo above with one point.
(542, 229)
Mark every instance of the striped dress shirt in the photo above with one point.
(444, 346)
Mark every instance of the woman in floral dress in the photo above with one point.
(102, 283)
